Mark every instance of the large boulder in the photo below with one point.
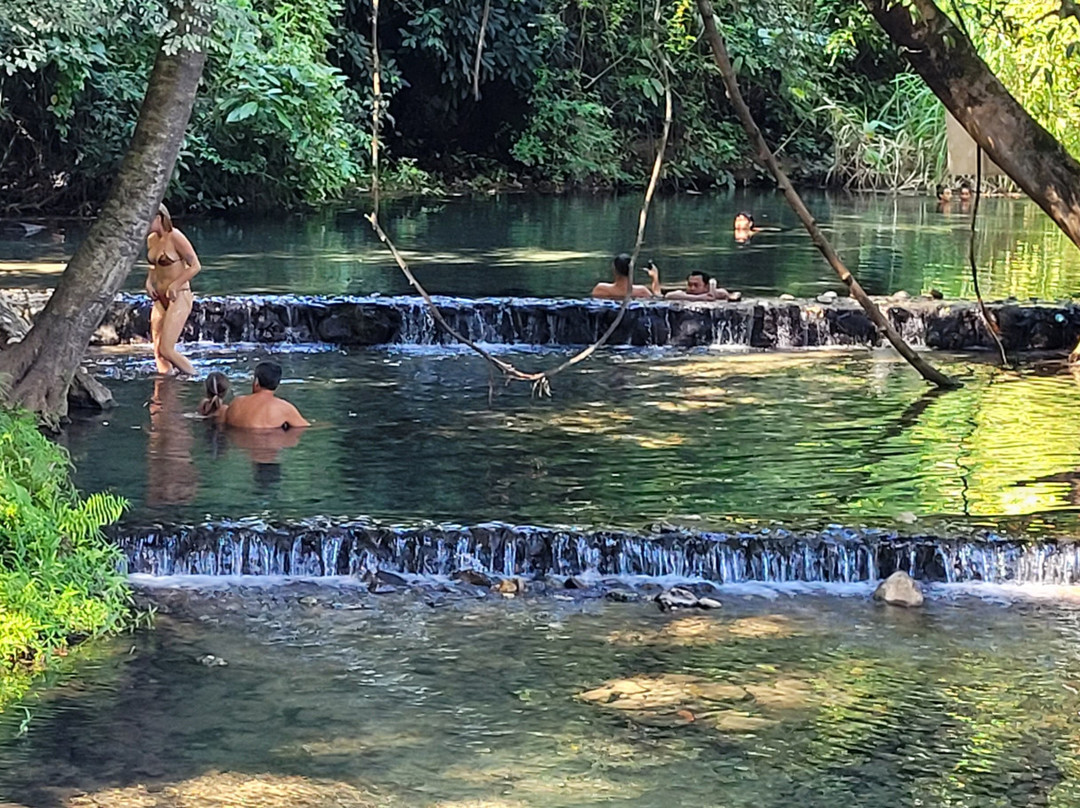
(900, 589)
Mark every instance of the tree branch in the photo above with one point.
(768, 160)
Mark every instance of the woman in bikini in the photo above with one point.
(173, 264)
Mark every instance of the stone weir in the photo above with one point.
(319, 548)
(764, 323)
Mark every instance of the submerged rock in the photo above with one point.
(473, 577)
(900, 589)
(677, 597)
(211, 661)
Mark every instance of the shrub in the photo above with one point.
(60, 579)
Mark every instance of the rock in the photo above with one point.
(473, 577)
(677, 598)
(936, 294)
(309, 600)
(87, 393)
(899, 297)
(826, 297)
(622, 595)
(899, 589)
(381, 589)
(211, 661)
(906, 518)
(510, 587)
(787, 298)
(709, 603)
(575, 582)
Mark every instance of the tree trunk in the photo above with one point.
(767, 159)
(947, 61)
(40, 368)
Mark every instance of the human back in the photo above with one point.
(263, 409)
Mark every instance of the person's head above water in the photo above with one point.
(944, 194)
(743, 220)
(965, 190)
(697, 282)
(621, 265)
(162, 221)
(267, 376)
(217, 387)
(217, 384)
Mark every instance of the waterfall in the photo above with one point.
(767, 324)
(319, 548)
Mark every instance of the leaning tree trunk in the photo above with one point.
(947, 61)
(40, 368)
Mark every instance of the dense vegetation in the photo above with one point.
(59, 580)
(569, 94)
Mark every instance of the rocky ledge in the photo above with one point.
(759, 323)
(319, 547)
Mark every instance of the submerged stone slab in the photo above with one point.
(320, 547)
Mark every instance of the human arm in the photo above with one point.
(654, 276)
(151, 292)
(293, 417)
(190, 259)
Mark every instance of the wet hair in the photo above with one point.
(965, 186)
(621, 262)
(166, 219)
(705, 276)
(217, 387)
(749, 216)
(268, 375)
(939, 190)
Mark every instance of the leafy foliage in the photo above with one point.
(59, 577)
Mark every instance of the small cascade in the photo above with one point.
(321, 548)
(764, 324)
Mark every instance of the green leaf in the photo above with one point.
(243, 111)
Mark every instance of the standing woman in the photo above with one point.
(173, 264)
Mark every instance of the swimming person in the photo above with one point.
(620, 270)
(701, 286)
(217, 387)
(262, 409)
(173, 263)
(744, 227)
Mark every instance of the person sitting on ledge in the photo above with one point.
(262, 409)
(700, 286)
(620, 269)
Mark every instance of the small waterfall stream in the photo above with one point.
(320, 548)
(767, 324)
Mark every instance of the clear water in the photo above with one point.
(628, 438)
(812, 701)
(560, 246)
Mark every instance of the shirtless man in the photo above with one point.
(262, 409)
(700, 286)
(620, 270)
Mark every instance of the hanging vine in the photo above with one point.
(540, 380)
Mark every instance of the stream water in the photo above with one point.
(520, 245)
(691, 438)
(329, 701)
(787, 473)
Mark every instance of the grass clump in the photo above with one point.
(59, 577)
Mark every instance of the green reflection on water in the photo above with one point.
(810, 702)
(628, 439)
(560, 246)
